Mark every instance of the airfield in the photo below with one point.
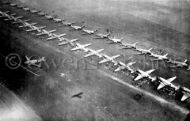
(107, 95)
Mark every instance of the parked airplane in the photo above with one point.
(94, 52)
(186, 93)
(130, 46)
(89, 31)
(13, 4)
(68, 23)
(20, 21)
(143, 74)
(26, 24)
(33, 11)
(77, 27)
(26, 8)
(34, 62)
(164, 82)
(35, 28)
(102, 36)
(115, 40)
(78, 95)
(45, 32)
(16, 18)
(123, 66)
(179, 63)
(159, 57)
(54, 36)
(71, 42)
(41, 13)
(58, 20)
(108, 58)
(81, 47)
(144, 51)
(48, 16)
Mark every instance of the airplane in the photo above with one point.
(144, 51)
(159, 57)
(115, 40)
(143, 74)
(89, 31)
(165, 82)
(77, 27)
(81, 47)
(57, 20)
(20, 21)
(68, 23)
(108, 58)
(178, 63)
(16, 18)
(34, 62)
(41, 13)
(48, 16)
(186, 93)
(130, 46)
(125, 66)
(35, 28)
(54, 36)
(94, 52)
(33, 11)
(26, 8)
(45, 32)
(26, 24)
(20, 6)
(13, 4)
(102, 36)
(68, 42)
(78, 95)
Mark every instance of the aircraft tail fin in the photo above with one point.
(186, 61)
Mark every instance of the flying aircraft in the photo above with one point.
(81, 47)
(130, 46)
(108, 58)
(54, 36)
(115, 40)
(34, 62)
(26, 24)
(164, 82)
(78, 95)
(94, 52)
(89, 31)
(123, 66)
(71, 42)
(77, 27)
(45, 32)
(186, 93)
(26, 8)
(35, 28)
(159, 57)
(102, 36)
(144, 51)
(33, 11)
(143, 74)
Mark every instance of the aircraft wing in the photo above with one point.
(185, 96)
(171, 79)
(103, 61)
(160, 86)
(75, 48)
(89, 54)
(150, 71)
(138, 77)
(62, 43)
